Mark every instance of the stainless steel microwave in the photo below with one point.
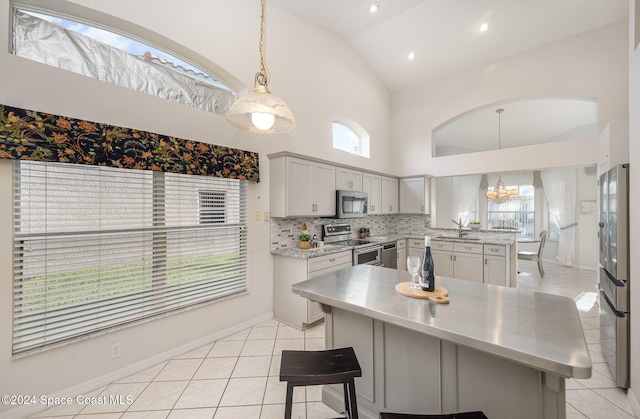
(351, 204)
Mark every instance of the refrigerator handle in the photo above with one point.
(613, 309)
(617, 282)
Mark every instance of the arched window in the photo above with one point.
(118, 58)
(350, 137)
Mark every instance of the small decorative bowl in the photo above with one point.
(474, 226)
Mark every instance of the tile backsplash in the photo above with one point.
(284, 231)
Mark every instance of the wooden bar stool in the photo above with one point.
(309, 368)
(465, 415)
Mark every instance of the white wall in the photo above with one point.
(319, 76)
(589, 65)
(634, 196)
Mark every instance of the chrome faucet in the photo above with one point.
(460, 228)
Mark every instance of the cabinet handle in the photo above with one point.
(332, 260)
(485, 261)
(454, 258)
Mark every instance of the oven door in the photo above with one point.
(371, 255)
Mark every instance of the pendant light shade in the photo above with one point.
(260, 111)
(500, 194)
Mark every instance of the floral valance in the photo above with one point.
(31, 135)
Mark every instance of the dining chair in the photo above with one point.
(535, 256)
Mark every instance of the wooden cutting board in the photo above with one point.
(438, 295)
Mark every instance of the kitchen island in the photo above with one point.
(501, 350)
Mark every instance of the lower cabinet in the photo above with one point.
(496, 264)
(415, 247)
(488, 263)
(467, 261)
(401, 249)
(442, 253)
(290, 308)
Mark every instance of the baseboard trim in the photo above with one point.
(633, 401)
(105, 379)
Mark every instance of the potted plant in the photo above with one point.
(367, 233)
(362, 232)
(305, 240)
(474, 225)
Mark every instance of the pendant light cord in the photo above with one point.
(261, 76)
(499, 111)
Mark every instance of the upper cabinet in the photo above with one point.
(372, 185)
(389, 195)
(415, 195)
(613, 145)
(348, 179)
(301, 187)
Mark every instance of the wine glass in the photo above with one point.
(413, 266)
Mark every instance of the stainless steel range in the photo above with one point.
(364, 252)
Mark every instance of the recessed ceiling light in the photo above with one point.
(411, 56)
(374, 7)
(483, 27)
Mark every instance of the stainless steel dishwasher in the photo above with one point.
(389, 255)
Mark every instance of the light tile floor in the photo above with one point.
(237, 377)
(597, 397)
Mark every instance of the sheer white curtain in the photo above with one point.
(465, 195)
(560, 190)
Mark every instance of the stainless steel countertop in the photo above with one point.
(539, 330)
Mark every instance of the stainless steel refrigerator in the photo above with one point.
(614, 271)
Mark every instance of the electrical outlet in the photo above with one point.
(257, 215)
(266, 215)
(116, 350)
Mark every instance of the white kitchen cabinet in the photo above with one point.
(415, 247)
(496, 264)
(613, 145)
(401, 249)
(468, 261)
(442, 253)
(389, 195)
(301, 187)
(348, 179)
(414, 195)
(290, 308)
(372, 185)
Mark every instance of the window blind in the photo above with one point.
(98, 247)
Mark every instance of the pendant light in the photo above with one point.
(260, 111)
(500, 194)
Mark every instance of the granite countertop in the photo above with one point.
(296, 252)
(445, 235)
(539, 330)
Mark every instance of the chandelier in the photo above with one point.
(500, 193)
(260, 111)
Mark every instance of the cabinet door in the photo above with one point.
(412, 195)
(468, 266)
(495, 270)
(371, 184)
(324, 196)
(389, 195)
(300, 188)
(443, 263)
(348, 180)
(402, 259)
